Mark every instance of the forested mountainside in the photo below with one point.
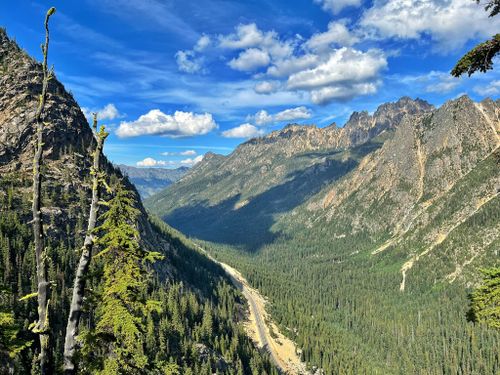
(193, 327)
(149, 181)
(366, 245)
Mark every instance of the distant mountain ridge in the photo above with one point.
(281, 163)
(149, 181)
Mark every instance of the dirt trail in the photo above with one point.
(259, 326)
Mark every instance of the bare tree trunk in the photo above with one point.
(72, 328)
(42, 327)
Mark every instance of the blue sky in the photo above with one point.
(176, 79)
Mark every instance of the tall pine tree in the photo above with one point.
(124, 307)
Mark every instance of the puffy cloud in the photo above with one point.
(337, 34)
(343, 92)
(188, 62)
(250, 59)
(260, 48)
(344, 65)
(250, 36)
(155, 122)
(108, 112)
(493, 88)
(243, 131)
(335, 6)
(285, 67)
(150, 162)
(192, 161)
(347, 73)
(449, 22)
(266, 87)
(246, 36)
(299, 113)
(202, 43)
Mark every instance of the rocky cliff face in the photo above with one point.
(427, 156)
(20, 82)
(68, 138)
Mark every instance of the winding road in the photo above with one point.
(259, 326)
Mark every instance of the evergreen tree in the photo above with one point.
(10, 342)
(485, 306)
(124, 307)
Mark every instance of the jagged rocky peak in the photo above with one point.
(211, 155)
(21, 85)
(362, 126)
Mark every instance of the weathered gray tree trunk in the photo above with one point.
(71, 343)
(42, 327)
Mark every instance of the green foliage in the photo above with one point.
(123, 307)
(479, 59)
(485, 300)
(171, 326)
(10, 342)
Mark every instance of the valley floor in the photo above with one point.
(262, 329)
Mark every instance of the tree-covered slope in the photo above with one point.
(367, 266)
(196, 328)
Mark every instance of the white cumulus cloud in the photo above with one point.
(335, 6)
(150, 162)
(250, 60)
(259, 47)
(192, 161)
(188, 62)
(108, 112)
(263, 117)
(345, 74)
(328, 94)
(203, 43)
(337, 35)
(243, 131)
(294, 64)
(155, 122)
(266, 87)
(343, 66)
(451, 23)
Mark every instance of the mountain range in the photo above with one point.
(149, 181)
(362, 236)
